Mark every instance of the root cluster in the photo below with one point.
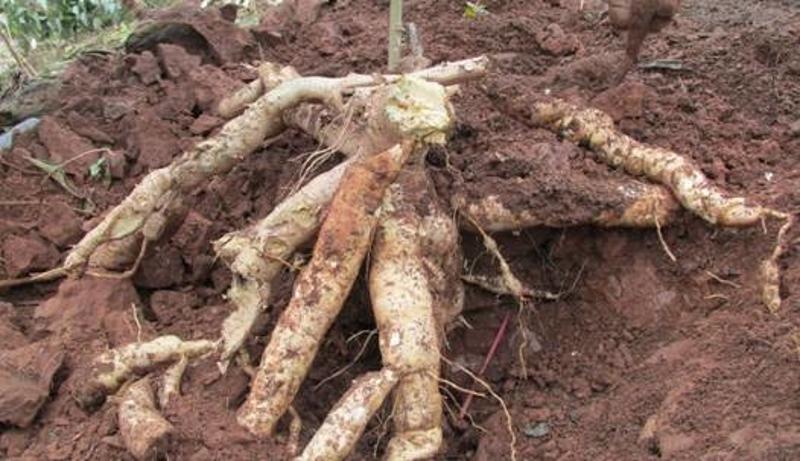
(378, 201)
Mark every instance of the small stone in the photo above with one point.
(794, 129)
(537, 430)
(204, 124)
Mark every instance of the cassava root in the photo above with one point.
(403, 290)
(321, 288)
(410, 336)
(144, 431)
(642, 205)
(113, 368)
(158, 199)
(255, 255)
(595, 129)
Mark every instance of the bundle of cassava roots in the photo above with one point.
(379, 201)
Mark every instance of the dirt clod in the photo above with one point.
(26, 376)
(60, 225)
(23, 255)
(163, 268)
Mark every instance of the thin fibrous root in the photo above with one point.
(403, 304)
(321, 288)
(254, 254)
(346, 422)
(642, 205)
(507, 279)
(497, 285)
(595, 129)
(113, 368)
(144, 431)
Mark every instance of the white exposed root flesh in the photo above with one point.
(255, 255)
(595, 129)
(113, 368)
(144, 431)
(343, 426)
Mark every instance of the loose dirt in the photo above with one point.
(643, 359)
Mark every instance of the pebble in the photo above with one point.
(537, 430)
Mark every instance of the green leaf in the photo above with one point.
(97, 168)
(472, 10)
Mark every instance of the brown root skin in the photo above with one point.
(111, 369)
(255, 255)
(144, 431)
(595, 129)
(320, 289)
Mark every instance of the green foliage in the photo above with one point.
(31, 21)
(473, 10)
